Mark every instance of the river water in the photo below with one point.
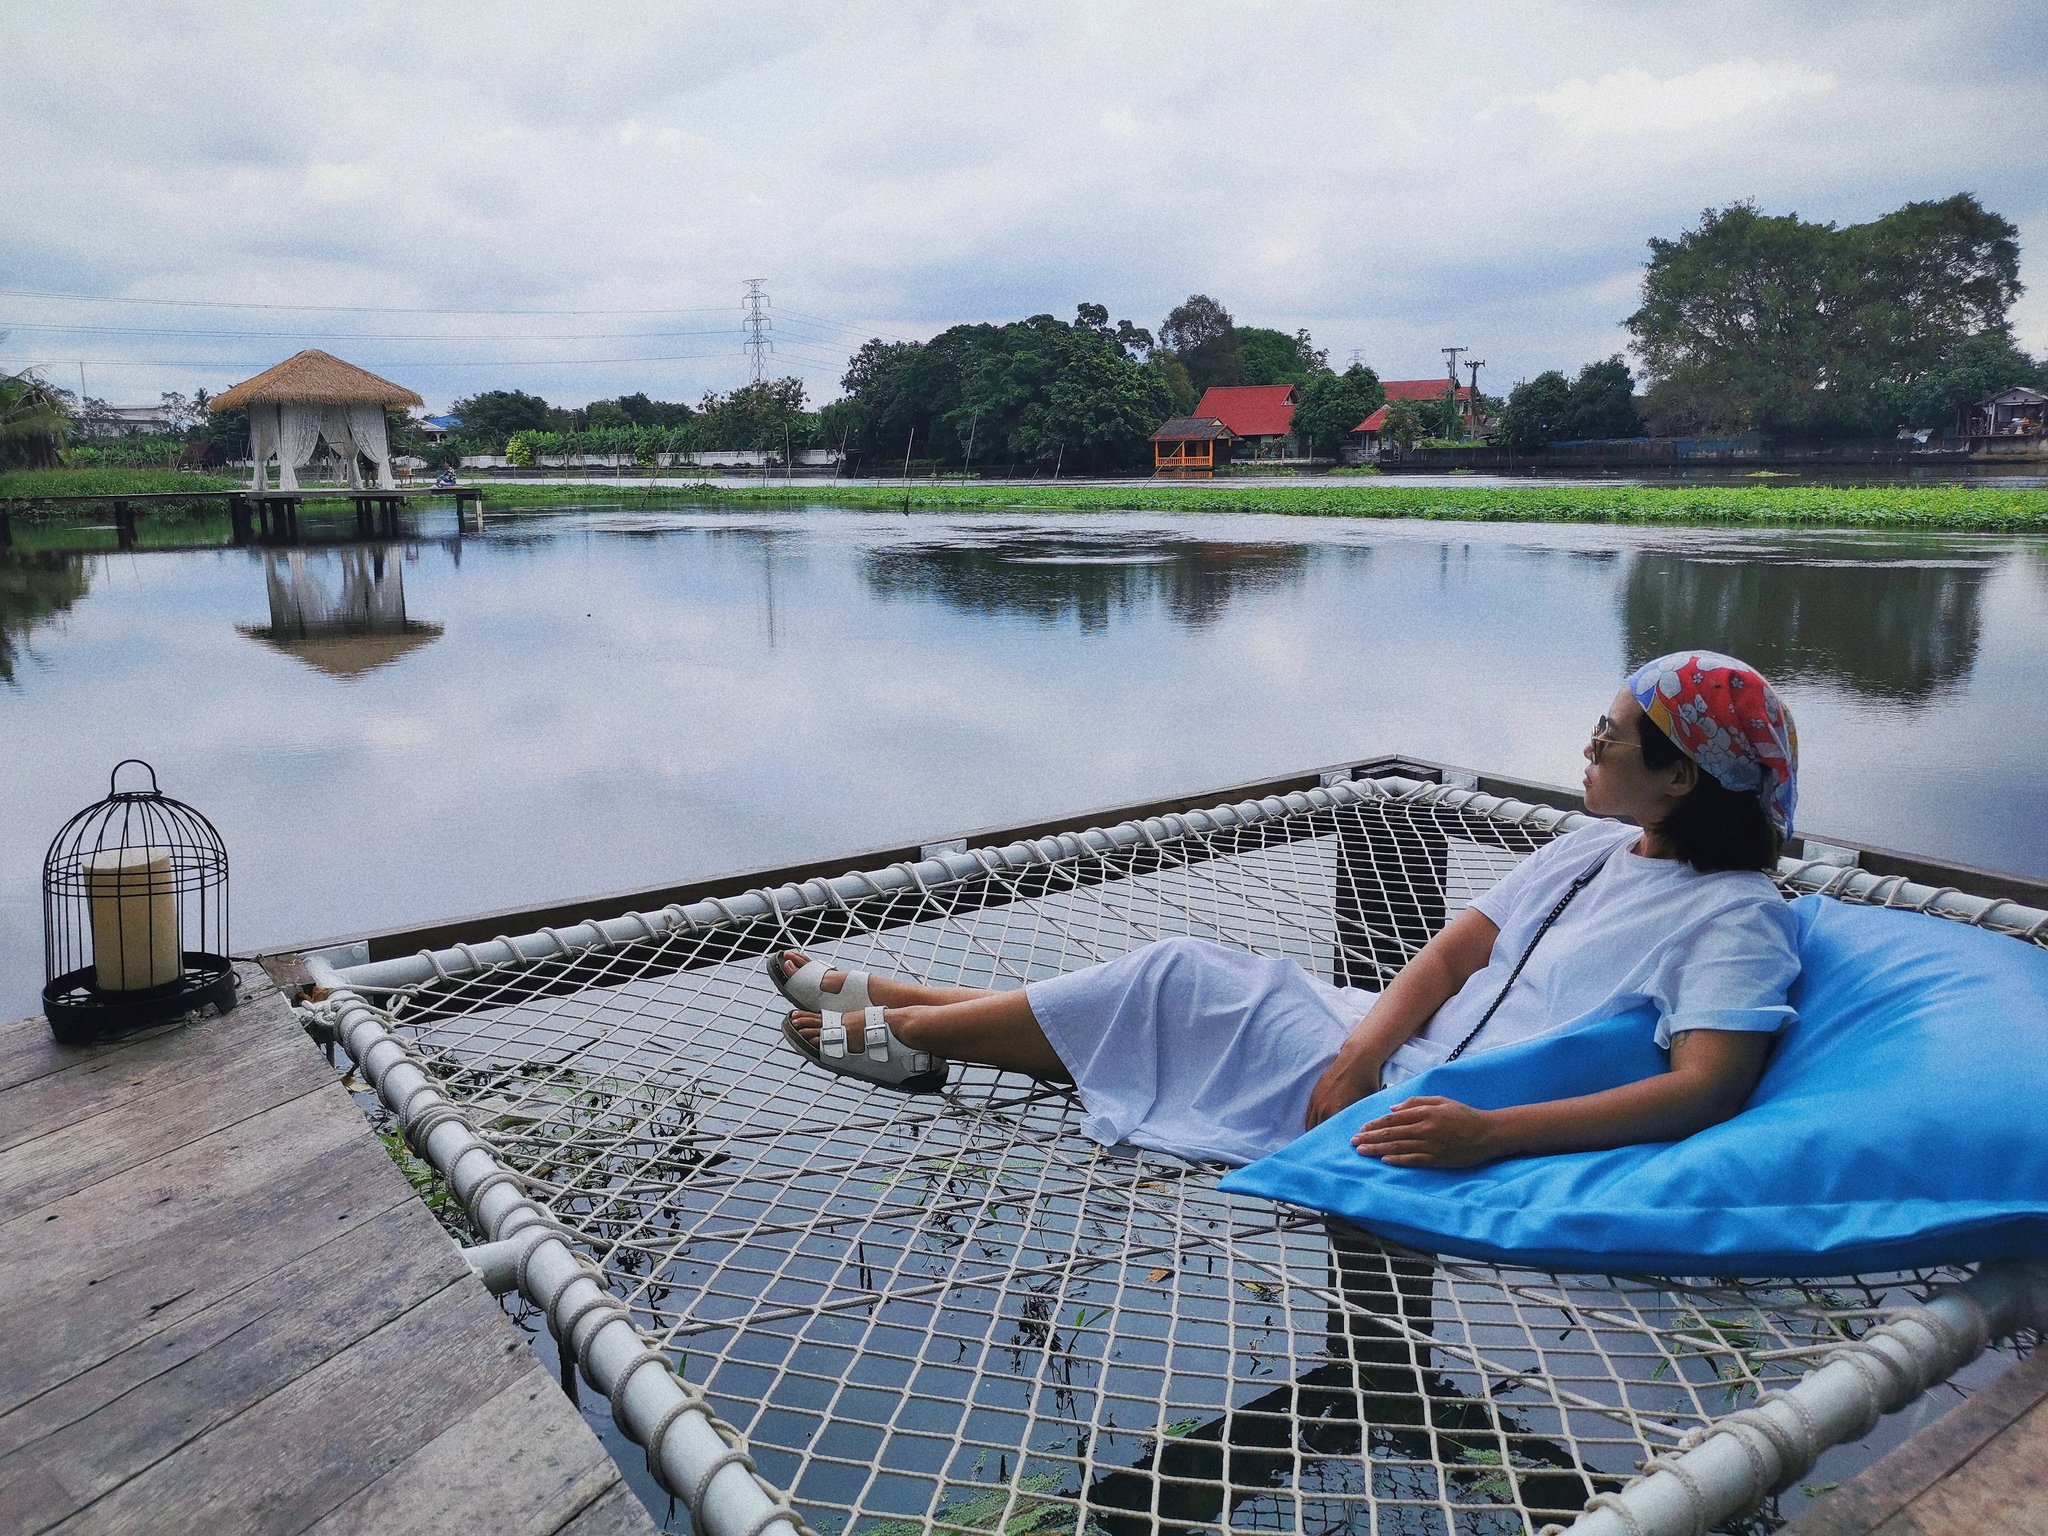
(591, 700)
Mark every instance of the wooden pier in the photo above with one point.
(225, 1309)
(255, 516)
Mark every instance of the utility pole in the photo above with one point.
(974, 422)
(756, 325)
(1357, 357)
(1472, 406)
(1451, 395)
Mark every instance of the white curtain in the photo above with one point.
(334, 427)
(298, 434)
(368, 431)
(262, 444)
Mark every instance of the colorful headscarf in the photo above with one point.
(1722, 714)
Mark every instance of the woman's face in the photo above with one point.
(1617, 781)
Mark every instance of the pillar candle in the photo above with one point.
(134, 905)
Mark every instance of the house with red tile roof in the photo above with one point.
(1259, 416)
(1422, 391)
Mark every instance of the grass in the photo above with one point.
(15, 483)
(1948, 508)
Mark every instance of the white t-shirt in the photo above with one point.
(1708, 951)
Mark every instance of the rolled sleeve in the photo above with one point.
(1731, 973)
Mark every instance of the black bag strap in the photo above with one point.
(1556, 912)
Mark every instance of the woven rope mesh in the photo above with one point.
(955, 1313)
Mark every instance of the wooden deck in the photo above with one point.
(224, 1309)
(1980, 1469)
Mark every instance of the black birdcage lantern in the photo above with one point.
(135, 914)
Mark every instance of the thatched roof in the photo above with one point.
(313, 377)
(344, 655)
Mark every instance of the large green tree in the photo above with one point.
(1603, 402)
(491, 417)
(1274, 357)
(1536, 412)
(1201, 334)
(1773, 323)
(765, 416)
(1037, 390)
(1331, 405)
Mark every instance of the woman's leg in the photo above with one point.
(997, 1029)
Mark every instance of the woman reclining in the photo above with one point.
(1208, 1052)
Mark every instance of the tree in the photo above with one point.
(1536, 412)
(765, 417)
(1756, 322)
(1034, 389)
(1173, 378)
(490, 419)
(1274, 357)
(1603, 403)
(1202, 335)
(32, 423)
(1444, 416)
(1331, 405)
(1402, 424)
(1977, 366)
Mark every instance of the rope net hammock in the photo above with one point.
(955, 1313)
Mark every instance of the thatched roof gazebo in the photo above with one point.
(310, 396)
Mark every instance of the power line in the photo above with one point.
(335, 309)
(756, 325)
(152, 330)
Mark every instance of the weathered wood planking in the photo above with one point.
(1980, 1469)
(225, 1310)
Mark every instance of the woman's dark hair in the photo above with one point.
(1713, 827)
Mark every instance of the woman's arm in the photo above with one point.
(1712, 1074)
(1458, 952)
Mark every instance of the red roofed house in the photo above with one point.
(1367, 433)
(1259, 416)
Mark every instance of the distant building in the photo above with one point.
(2015, 412)
(120, 420)
(1258, 416)
(1422, 391)
(434, 428)
(1191, 445)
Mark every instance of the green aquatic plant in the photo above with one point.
(1944, 508)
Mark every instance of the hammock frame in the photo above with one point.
(956, 1314)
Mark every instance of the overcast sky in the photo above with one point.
(1393, 177)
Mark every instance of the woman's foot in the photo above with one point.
(902, 1023)
(882, 991)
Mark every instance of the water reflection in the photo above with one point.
(34, 589)
(1083, 581)
(341, 611)
(1885, 624)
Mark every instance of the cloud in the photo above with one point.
(1394, 178)
(1633, 101)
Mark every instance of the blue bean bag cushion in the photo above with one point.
(1902, 1121)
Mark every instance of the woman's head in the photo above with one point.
(1697, 750)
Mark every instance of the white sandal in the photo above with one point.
(805, 987)
(883, 1060)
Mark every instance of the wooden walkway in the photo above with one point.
(1979, 1470)
(224, 1309)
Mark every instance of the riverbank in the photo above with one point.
(1957, 509)
(1947, 508)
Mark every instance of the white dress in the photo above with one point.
(1209, 1052)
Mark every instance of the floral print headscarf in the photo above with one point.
(1722, 714)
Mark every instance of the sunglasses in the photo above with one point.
(1604, 737)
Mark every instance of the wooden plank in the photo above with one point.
(535, 1473)
(306, 1449)
(88, 1434)
(2004, 1487)
(75, 1128)
(1889, 1485)
(618, 1512)
(95, 1272)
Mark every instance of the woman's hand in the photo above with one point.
(1354, 1075)
(1430, 1133)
